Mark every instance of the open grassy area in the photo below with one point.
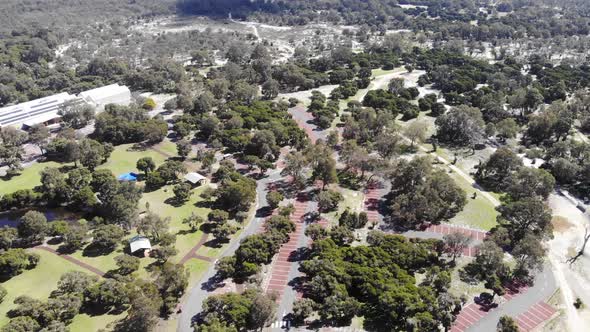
(124, 157)
(37, 283)
(458, 287)
(479, 212)
(353, 200)
(28, 179)
(86, 323)
(157, 202)
(103, 262)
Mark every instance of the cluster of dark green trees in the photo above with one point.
(98, 193)
(257, 250)
(523, 224)
(122, 124)
(533, 19)
(145, 301)
(422, 195)
(28, 75)
(232, 312)
(377, 281)
(119, 291)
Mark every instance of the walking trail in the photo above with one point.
(72, 260)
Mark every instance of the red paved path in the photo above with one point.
(527, 321)
(281, 267)
(535, 316)
(448, 229)
(193, 252)
(73, 260)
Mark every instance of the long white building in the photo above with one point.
(45, 110)
(110, 94)
(33, 112)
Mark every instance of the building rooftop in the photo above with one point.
(34, 111)
(194, 178)
(139, 242)
(104, 92)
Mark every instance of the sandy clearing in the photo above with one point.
(572, 280)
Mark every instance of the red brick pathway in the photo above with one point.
(302, 123)
(448, 229)
(535, 316)
(193, 252)
(73, 260)
(281, 267)
(527, 321)
(373, 197)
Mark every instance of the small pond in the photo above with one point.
(12, 218)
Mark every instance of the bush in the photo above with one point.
(149, 104)
(328, 200)
(274, 198)
(578, 303)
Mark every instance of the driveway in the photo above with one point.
(192, 304)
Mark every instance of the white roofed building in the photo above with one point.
(195, 178)
(30, 113)
(110, 94)
(138, 243)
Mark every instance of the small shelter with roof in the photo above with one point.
(195, 179)
(139, 245)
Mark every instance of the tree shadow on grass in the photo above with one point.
(186, 231)
(94, 250)
(97, 310)
(65, 249)
(174, 202)
(204, 204)
(214, 243)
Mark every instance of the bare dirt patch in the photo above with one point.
(561, 224)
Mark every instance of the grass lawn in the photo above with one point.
(37, 283)
(28, 179)
(352, 200)
(211, 252)
(197, 269)
(459, 287)
(103, 262)
(124, 158)
(185, 239)
(86, 323)
(168, 147)
(479, 212)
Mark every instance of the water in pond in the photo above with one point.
(12, 218)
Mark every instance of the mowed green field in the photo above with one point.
(28, 179)
(124, 157)
(185, 239)
(122, 160)
(37, 283)
(479, 212)
(42, 280)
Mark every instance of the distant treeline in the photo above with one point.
(238, 8)
(56, 14)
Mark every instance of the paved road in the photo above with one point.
(289, 294)
(543, 288)
(192, 304)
